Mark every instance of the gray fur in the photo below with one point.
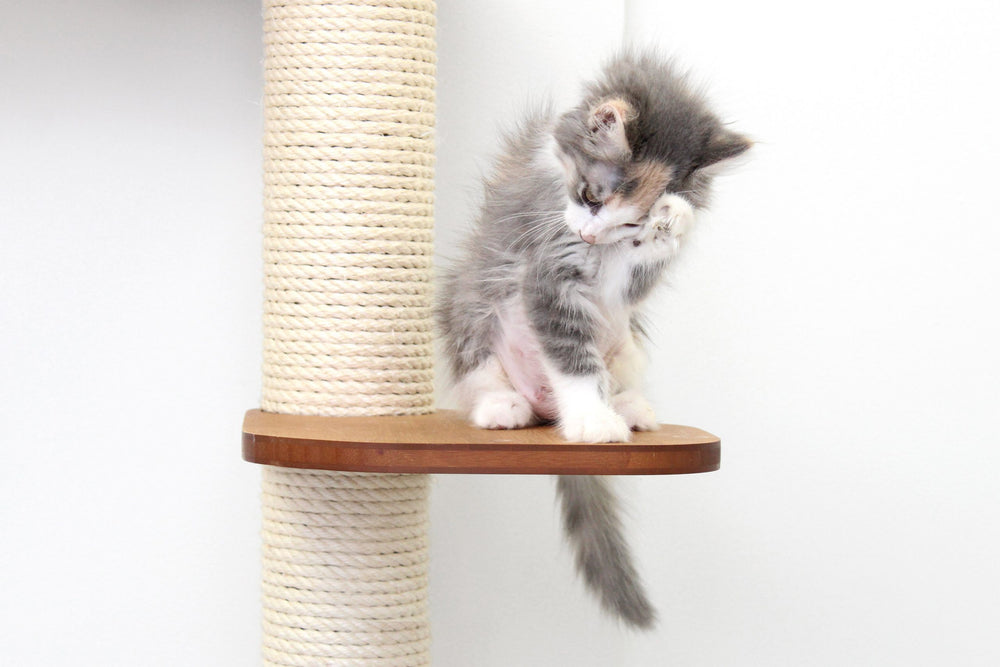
(643, 279)
(673, 123)
(521, 247)
(559, 315)
(590, 517)
(518, 225)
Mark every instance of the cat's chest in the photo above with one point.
(611, 285)
(608, 282)
(618, 282)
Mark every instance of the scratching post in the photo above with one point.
(348, 169)
(345, 568)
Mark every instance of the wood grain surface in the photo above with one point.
(443, 442)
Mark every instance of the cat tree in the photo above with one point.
(346, 431)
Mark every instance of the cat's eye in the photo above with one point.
(590, 196)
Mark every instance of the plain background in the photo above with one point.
(835, 320)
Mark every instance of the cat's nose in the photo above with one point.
(588, 238)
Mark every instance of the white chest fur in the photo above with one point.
(612, 280)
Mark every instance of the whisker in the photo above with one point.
(545, 230)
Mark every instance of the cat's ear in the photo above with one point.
(724, 145)
(607, 128)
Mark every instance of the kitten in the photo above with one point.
(580, 218)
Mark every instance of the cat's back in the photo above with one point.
(525, 189)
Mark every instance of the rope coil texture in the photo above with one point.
(348, 232)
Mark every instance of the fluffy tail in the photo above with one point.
(590, 518)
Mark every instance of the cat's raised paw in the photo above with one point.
(502, 410)
(671, 214)
(635, 410)
(595, 426)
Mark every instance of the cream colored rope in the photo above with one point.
(345, 569)
(348, 231)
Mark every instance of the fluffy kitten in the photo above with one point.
(581, 216)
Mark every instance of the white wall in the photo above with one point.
(129, 332)
(837, 325)
(834, 322)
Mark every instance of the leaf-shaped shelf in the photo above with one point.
(443, 442)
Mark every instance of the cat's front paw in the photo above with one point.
(501, 410)
(672, 215)
(635, 410)
(597, 425)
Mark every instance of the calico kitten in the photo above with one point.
(580, 218)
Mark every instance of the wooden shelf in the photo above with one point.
(444, 443)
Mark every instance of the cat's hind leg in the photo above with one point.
(635, 410)
(490, 400)
(627, 400)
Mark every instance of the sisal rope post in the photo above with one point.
(348, 225)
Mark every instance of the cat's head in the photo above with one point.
(640, 133)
